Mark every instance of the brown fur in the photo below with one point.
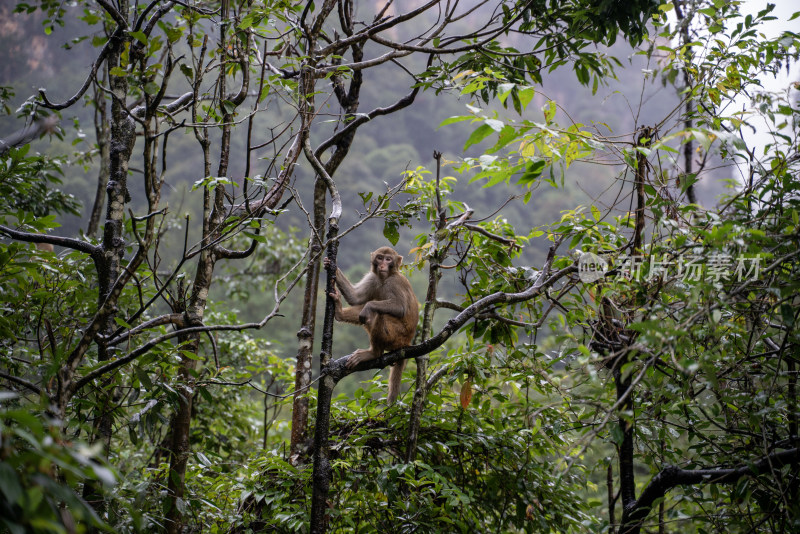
(385, 304)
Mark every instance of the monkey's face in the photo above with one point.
(383, 265)
(385, 262)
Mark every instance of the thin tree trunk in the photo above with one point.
(321, 477)
(627, 478)
(625, 423)
(102, 132)
(688, 148)
(434, 274)
(349, 101)
(122, 135)
(306, 334)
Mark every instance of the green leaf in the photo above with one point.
(532, 171)
(503, 90)
(787, 314)
(139, 36)
(228, 107)
(9, 484)
(526, 95)
(453, 120)
(391, 232)
(483, 131)
(151, 88)
(549, 110)
(204, 459)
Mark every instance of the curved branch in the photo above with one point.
(238, 98)
(29, 133)
(177, 319)
(338, 370)
(361, 65)
(143, 14)
(437, 50)
(22, 382)
(116, 15)
(228, 254)
(163, 10)
(336, 200)
(92, 74)
(67, 242)
(487, 233)
(369, 32)
(144, 349)
(365, 117)
(671, 477)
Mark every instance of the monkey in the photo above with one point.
(385, 304)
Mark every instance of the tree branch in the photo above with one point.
(99, 61)
(671, 477)
(361, 118)
(67, 242)
(21, 382)
(338, 370)
(29, 133)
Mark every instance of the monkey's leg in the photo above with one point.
(376, 328)
(349, 315)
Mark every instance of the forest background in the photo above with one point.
(490, 436)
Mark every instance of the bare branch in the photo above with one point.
(670, 477)
(66, 242)
(372, 30)
(22, 382)
(487, 233)
(29, 133)
(361, 118)
(92, 74)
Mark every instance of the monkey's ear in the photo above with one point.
(398, 261)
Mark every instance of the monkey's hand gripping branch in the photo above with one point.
(338, 369)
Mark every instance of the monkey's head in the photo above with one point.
(386, 262)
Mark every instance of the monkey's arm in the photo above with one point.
(345, 315)
(393, 307)
(355, 294)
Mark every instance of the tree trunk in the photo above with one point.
(102, 132)
(349, 102)
(306, 333)
(688, 147)
(321, 477)
(434, 274)
(627, 478)
(122, 136)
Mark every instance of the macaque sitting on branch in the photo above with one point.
(384, 303)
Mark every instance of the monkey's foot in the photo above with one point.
(361, 355)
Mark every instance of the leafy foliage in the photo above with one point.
(28, 185)
(655, 393)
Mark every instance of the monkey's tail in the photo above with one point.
(395, 378)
